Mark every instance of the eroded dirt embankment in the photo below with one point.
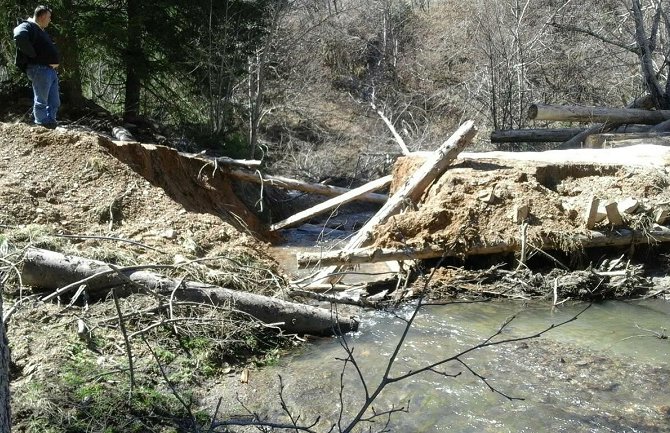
(198, 184)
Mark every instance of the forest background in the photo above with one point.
(299, 82)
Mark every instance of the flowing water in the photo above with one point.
(607, 371)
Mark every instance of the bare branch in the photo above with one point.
(486, 382)
(488, 343)
(570, 28)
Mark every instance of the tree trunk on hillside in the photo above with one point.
(69, 46)
(5, 422)
(134, 59)
(646, 45)
(257, 77)
(52, 270)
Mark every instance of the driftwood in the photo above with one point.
(373, 255)
(51, 270)
(298, 185)
(576, 113)
(411, 189)
(327, 205)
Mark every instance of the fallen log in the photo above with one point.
(51, 270)
(576, 113)
(640, 155)
(554, 135)
(412, 188)
(125, 140)
(545, 135)
(594, 239)
(327, 205)
(298, 185)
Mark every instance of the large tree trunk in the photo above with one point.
(134, 60)
(575, 113)
(52, 270)
(5, 422)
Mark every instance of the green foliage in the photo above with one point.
(233, 144)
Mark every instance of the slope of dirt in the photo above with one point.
(473, 203)
(63, 190)
(71, 184)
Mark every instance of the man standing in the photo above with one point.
(38, 57)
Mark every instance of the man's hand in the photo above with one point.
(54, 65)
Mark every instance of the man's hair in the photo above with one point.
(41, 10)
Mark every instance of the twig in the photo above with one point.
(6, 316)
(127, 341)
(552, 258)
(555, 291)
(108, 238)
(483, 379)
(170, 384)
(524, 232)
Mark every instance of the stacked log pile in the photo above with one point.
(609, 125)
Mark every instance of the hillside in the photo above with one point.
(63, 191)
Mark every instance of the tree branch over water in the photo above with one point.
(366, 412)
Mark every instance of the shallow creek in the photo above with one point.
(608, 371)
(600, 373)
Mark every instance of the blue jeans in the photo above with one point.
(46, 91)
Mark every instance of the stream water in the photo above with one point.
(607, 371)
(604, 372)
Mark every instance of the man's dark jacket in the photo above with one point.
(34, 46)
